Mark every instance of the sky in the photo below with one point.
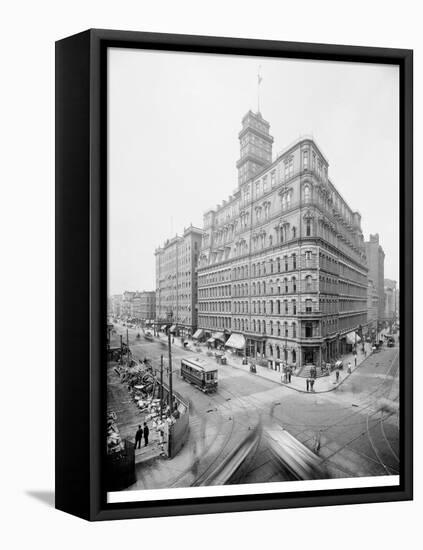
(174, 120)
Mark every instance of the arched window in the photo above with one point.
(246, 324)
(264, 287)
(294, 261)
(294, 284)
(285, 282)
(264, 306)
(294, 232)
(285, 329)
(242, 325)
(263, 326)
(278, 326)
(294, 330)
(271, 266)
(254, 325)
(278, 352)
(294, 356)
(278, 260)
(271, 327)
(278, 304)
(285, 258)
(270, 350)
(294, 307)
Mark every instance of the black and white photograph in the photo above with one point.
(253, 333)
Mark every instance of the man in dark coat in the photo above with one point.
(146, 432)
(138, 437)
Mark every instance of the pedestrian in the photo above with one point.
(289, 376)
(308, 384)
(337, 375)
(349, 367)
(355, 361)
(138, 437)
(312, 384)
(146, 432)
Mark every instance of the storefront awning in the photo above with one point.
(352, 338)
(198, 334)
(210, 340)
(236, 341)
(219, 336)
(172, 328)
(163, 327)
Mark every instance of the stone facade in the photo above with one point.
(376, 264)
(372, 308)
(176, 280)
(144, 305)
(391, 299)
(282, 260)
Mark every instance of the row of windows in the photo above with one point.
(215, 292)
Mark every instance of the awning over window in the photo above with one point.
(210, 340)
(352, 338)
(163, 327)
(172, 328)
(236, 341)
(198, 334)
(219, 336)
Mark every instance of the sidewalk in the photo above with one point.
(322, 384)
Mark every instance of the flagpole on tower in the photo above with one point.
(259, 79)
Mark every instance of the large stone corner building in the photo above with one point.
(282, 263)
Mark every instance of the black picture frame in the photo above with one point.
(81, 259)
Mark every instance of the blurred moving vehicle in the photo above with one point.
(148, 335)
(292, 455)
(232, 469)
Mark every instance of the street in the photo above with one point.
(354, 429)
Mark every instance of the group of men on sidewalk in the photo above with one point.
(139, 435)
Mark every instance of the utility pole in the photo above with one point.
(161, 387)
(169, 337)
(127, 347)
(170, 371)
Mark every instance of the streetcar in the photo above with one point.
(200, 374)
